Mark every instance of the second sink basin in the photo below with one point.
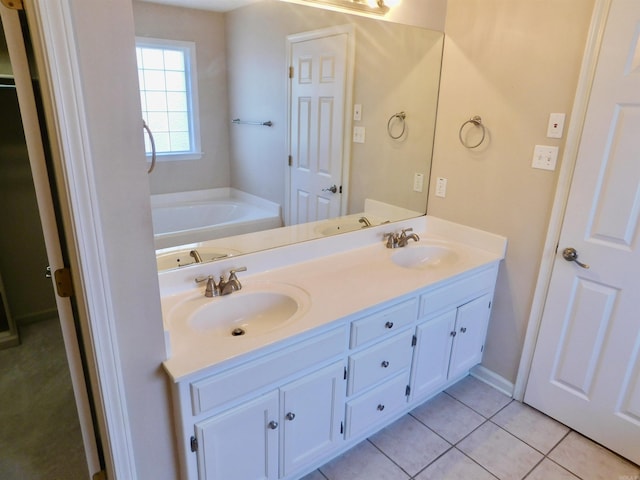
(424, 256)
(254, 310)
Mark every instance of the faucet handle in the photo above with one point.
(233, 271)
(212, 289)
(392, 239)
(405, 230)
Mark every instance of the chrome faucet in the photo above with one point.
(397, 240)
(223, 287)
(232, 284)
(365, 221)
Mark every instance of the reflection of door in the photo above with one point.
(33, 137)
(586, 366)
(318, 92)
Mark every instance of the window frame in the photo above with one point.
(191, 81)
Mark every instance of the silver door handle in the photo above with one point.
(571, 255)
(332, 189)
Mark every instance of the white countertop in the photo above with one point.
(342, 275)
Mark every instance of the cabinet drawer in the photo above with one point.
(217, 390)
(458, 292)
(380, 361)
(375, 406)
(384, 323)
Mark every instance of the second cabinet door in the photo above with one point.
(240, 444)
(313, 411)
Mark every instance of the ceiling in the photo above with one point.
(215, 5)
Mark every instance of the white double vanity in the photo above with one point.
(327, 342)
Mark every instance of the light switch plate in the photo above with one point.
(358, 134)
(357, 112)
(441, 187)
(545, 157)
(418, 182)
(556, 125)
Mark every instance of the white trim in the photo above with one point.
(52, 26)
(569, 159)
(490, 377)
(349, 30)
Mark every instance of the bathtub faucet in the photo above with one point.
(365, 221)
(196, 256)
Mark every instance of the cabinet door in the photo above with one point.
(240, 444)
(312, 409)
(471, 330)
(432, 353)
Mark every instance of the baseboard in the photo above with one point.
(37, 316)
(492, 378)
(8, 339)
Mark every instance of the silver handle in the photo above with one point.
(47, 272)
(272, 425)
(571, 255)
(380, 407)
(384, 364)
(290, 416)
(453, 333)
(332, 189)
(388, 325)
(153, 146)
(463, 329)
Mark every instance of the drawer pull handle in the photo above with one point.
(463, 329)
(380, 407)
(290, 416)
(384, 364)
(388, 325)
(273, 425)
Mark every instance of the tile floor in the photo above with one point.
(474, 432)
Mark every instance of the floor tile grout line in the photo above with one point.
(391, 459)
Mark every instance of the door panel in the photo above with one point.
(585, 369)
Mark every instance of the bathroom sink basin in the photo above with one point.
(424, 257)
(254, 310)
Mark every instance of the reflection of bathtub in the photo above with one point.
(189, 217)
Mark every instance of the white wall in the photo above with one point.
(513, 62)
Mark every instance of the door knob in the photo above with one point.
(571, 255)
(332, 189)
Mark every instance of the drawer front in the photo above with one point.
(217, 390)
(377, 405)
(384, 323)
(458, 292)
(380, 361)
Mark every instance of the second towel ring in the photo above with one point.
(477, 121)
(401, 116)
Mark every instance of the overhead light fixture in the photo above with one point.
(378, 7)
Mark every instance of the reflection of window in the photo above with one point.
(168, 94)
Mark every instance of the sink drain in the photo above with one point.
(236, 332)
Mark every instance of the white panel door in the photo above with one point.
(586, 366)
(317, 107)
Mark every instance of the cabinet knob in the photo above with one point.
(463, 329)
(384, 364)
(380, 407)
(453, 333)
(272, 425)
(388, 325)
(290, 416)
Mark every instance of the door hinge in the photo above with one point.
(340, 190)
(101, 475)
(482, 349)
(489, 305)
(194, 444)
(13, 4)
(414, 341)
(64, 284)
(341, 427)
(345, 373)
(290, 160)
(291, 72)
(407, 390)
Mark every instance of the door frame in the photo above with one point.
(45, 201)
(569, 158)
(349, 30)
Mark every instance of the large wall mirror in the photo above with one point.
(236, 193)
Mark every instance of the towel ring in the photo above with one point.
(477, 121)
(401, 116)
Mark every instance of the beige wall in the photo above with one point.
(513, 62)
(396, 68)
(206, 29)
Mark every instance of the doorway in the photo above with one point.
(42, 433)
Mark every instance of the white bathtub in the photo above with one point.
(189, 217)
